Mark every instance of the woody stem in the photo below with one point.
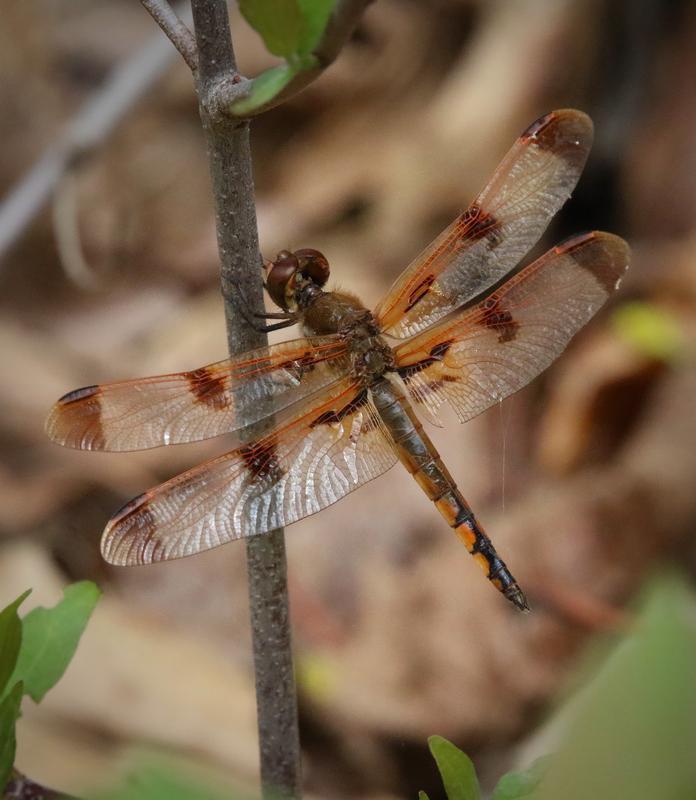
(240, 260)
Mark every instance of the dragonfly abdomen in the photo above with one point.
(420, 457)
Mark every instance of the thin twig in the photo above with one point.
(240, 264)
(340, 25)
(94, 121)
(179, 35)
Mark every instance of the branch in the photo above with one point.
(240, 271)
(20, 787)
(178, 34)
(234, 100)
(95, 120)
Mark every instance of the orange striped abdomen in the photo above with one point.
(418, 454)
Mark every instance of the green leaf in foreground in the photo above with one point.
(269, 84)
(278, 23)
(290, 27)
(155, 781)
(519, 785)
(50, 637)
(457, 770)
(422, 795)
(315, 14)
(10, 639)
(9, 712)
(635, 725)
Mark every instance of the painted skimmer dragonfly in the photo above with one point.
(344, 397)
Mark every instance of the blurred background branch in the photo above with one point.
(90, 127)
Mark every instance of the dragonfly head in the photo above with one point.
(291, 272)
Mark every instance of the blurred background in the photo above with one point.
(585, 479)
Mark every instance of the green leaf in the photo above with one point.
(422, 795)
(279, 23)
(270, 83)
(634, 725)
(457, 771)
(288, 27)
(10, 639)
(315, 14)
(649, 329)
(9, 712)
(50, 637)
(518, 785)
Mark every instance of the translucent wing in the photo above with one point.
(490, 237)
(495, 348)
(309, 462)
(190, 406)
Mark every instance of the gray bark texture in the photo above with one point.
(240, 259)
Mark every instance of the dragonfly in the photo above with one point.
(463, 326)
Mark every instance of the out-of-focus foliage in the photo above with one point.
(50, 637)
(456, 769)
(521, 784)
(151, 780)
(650, 329)
(9, 713)
(34, 653)
(10, 691)
(459, 775)
(633, 724)
(10, 639)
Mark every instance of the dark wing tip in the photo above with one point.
(75, 420)
(605, 255)
(130, 537)
(566, 127)
(78, 394)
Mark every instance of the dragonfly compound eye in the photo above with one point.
(313, 264)
(280, 280)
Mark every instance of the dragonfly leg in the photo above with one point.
(252, 317)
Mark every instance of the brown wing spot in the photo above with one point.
(430, 387)
(437, 353)
(567, 133)
(572, 243)
(79, 394)
(540, 131)
(420, 291)
(208, 388)
(497, 318)
(604, 267)
(335, 416)
(261, 459)
(479, 224)
(298, 367)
